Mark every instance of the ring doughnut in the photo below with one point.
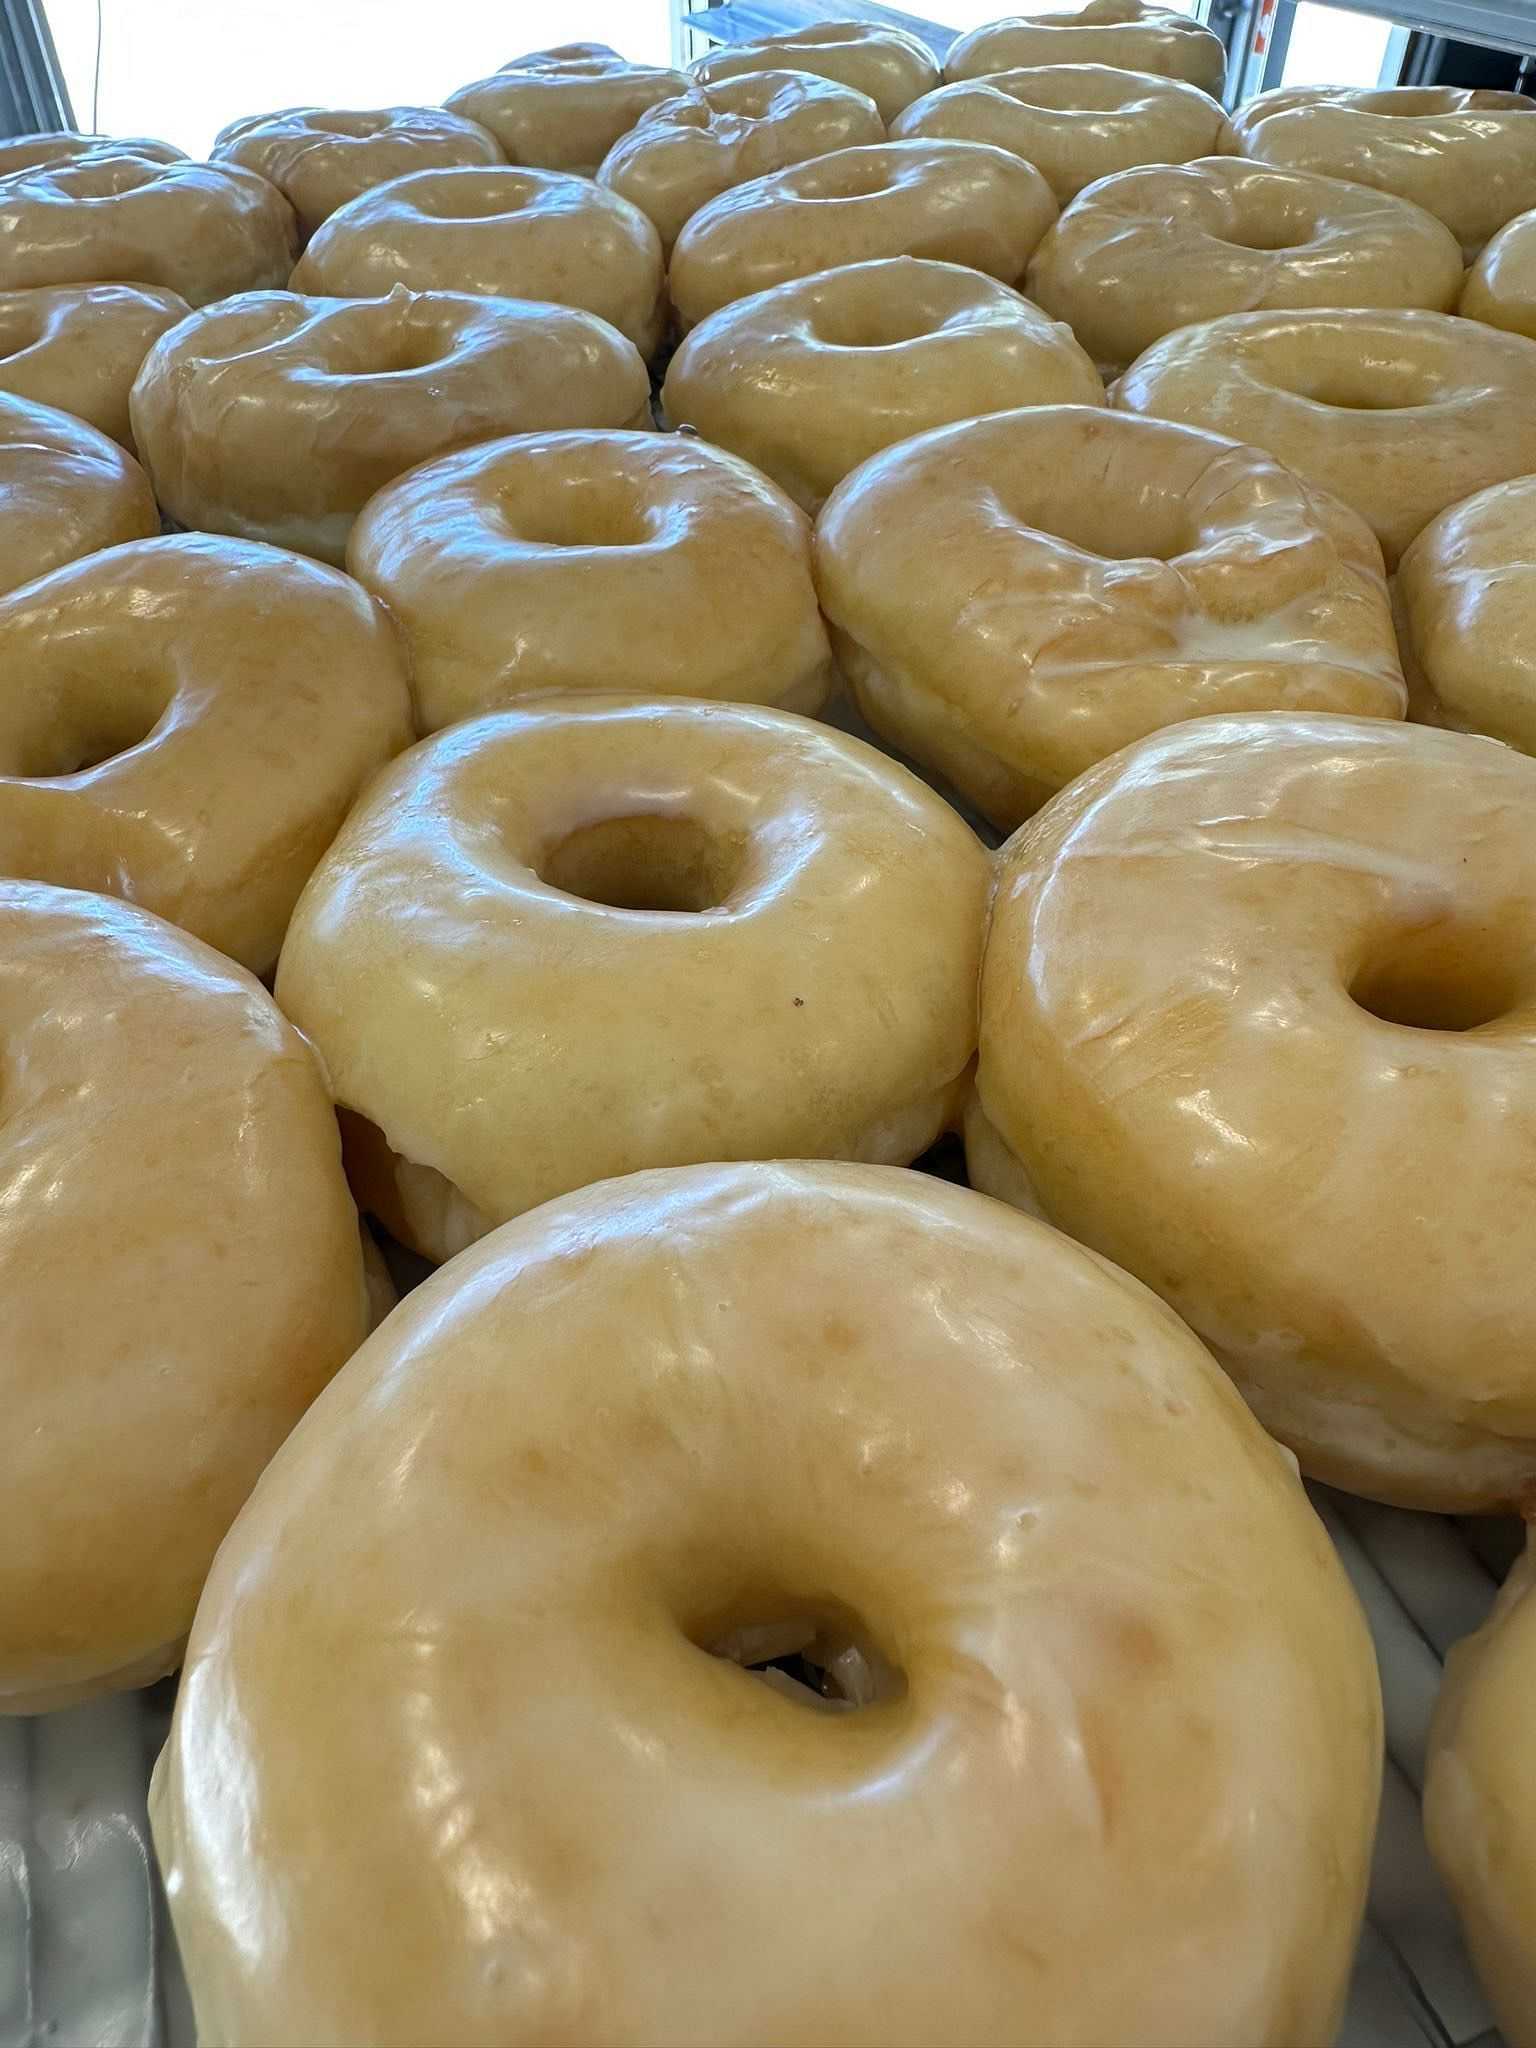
(564, 109)
(1252, 987)
(811, 378)
(595, 561)
(185, 723)
(1074, 122)
(1168, 246)
(182, 1274)
(278, 417)
(1075, 1616)
(65, 491)
(879, 60)
(200, 230)
(1120, 33)
(502, 233)
(78, 347)
(1014, 598)
(1466, 591)
(1501, 285)
(1398, 412)
(689, 150)
(320, 158)
(55, 145)
(1480, 1794)
(958, 202)
(1468, 157)
(684, 925)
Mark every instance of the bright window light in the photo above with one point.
(1331, 47)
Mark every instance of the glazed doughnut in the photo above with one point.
(278, 417)
(959, 202)
(1466, 592)
(1015, 597)
(182, 1274)
(595, 561)
(1467, 157)
(811, 378)
(108, 217)
(1167, 246)
(564, 109)
(885, 63)
(1074, 122)
(687, 151)
(319, 158)
(1071, 1613)
(1480, 1799)
(78, 347)
(1258, 1025)
(1501, 285)
(185, 723)
(55, 145)
(1120, 33)
(65, 491)
(1399, 413)
(502, 233)
(602, 933)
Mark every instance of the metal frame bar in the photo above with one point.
(33, 93)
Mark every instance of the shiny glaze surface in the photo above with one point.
(762, 998)
(185, 723)
(1121, 33)
(113, 216)
(1126, 1795)
(79, 346)
(1501, 285)
(810, 378)
(595, 561)
(958, 202)
(1398, 412)
(502, 233)
(564, 109)
(1162, 247)
(277, 417)
(181, 1272)
(891, 67)
(55, 145)
(686, 151)
(1469, 157)
(1175, 1045)
(65, 491)
(1073, 122)
(1013, 598)
(319, 158)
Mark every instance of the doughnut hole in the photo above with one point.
(1282, 230)
(887, 324)
(817, 1653)
(1119, 525)
(1371, 383)
(649, 862)
(81, 731)
(1454, 975)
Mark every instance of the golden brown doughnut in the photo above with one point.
(65, 491)
(1501, 285)
(595, 561)
(878, 59)
(181, 1271)
(278, 417)
(185, 723)
(502, 233)
(78, 347)
(1121, 33)
(959, 202)
(564, 109)
(55, 145)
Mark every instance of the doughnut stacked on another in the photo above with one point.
(65, 491)
(564, 109)
(78, 347)
(1124, 34)
(1466, 595)
(1501, 285)
(878, 59)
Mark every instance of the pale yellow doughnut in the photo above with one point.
(1399, 413)
(595, 561)
(181, 1271)
(1501, 285)
(564, 109)
(114, 217)
(1258, 1022)
(1074, 122)
(958, 202)
(186, 722)
(809, 379)
(1122, 33)
(687, 151)
(503, 233)
(1469, 157)
(65, 491)
(1015, 597)
(319, 158)
(596, 934)
(1164, 247)
(892, 67)
(277, 417)
(55, 145)
(78, 347)
(1480, 1799)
